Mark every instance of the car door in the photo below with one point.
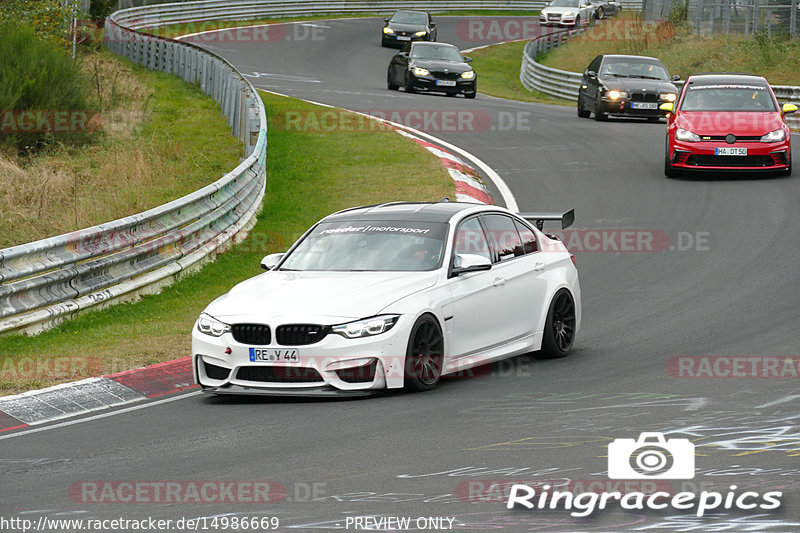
(475, 325)
(518, 268)
(587, 12)
(400, 65)
(590, 83)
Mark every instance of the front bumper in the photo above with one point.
(391, 39)
(428, 83)
(332, 366)
(699, 156)
(626, 108)
(562, 22)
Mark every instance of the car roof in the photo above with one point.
(714, 78)
(626, 56)
(411, 11)
(432, 44)
(412, 211)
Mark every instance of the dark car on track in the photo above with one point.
(605, 8)
(406, 26)
(438, 67)
(625, 86)
(727, 122)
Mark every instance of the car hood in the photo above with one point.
(397, 26)
(739, 123)
(639, 85)
(439, 66)
(316, 297)
(560, 10)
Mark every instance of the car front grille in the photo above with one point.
(553, 16)
(644, 97)
(279, 374)
(300, 334)
(359, 374)
(258, 334)
(445, 76)
(754, 161)
(216, 372)
(723, 138)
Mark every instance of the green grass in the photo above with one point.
(176, 30)
(498, 74)
(311, 173)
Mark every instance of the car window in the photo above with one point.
(633, 68)
(437, 53)
(470, 239)
(406, 17)
(374, 245)
(504, 236)
(565, 3)
(529, 244)
(595, 64)
(727, 98)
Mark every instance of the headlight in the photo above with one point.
(419, 71)
(686, 135)
(616, 95)
(420, 33)
(669, 97)
(366, 327)
(211, 326)
(468, 75)
(387, 29)
(774, 136)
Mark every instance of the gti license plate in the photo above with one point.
(275, 355)
(729, 150)
(445, 83)
(644, 105)
(401, 38)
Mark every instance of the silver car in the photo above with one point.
(567, 13)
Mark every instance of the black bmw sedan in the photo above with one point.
(623, 85)
(437, 67)
(406, 26)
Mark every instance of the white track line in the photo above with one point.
(104, 415)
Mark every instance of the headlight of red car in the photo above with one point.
(686, 135)
(774, 136)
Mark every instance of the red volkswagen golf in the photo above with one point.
(727, 122)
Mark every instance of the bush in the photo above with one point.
(38, 76)
(50, 19)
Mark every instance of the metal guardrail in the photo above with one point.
(565, 84)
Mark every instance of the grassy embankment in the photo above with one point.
(311, 173)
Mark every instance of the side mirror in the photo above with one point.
(464, 263)
(467, 59)
(675, 77)
(402, 54)
(432, 24)
(386, 20)
(271, 261)
(788, 109)
(591, 74)
(669, 107)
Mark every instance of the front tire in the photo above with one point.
(470, 95)
(409, 84)
(424, 355)
(577, 22)
(600, 14)
(599, 115)
(582, 113)
(389, 84)
(559, 327)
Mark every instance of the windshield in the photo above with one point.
(375, 245)
(728, 98)
(632, 68)
(437, 53)
(564, 3)
(409, 17)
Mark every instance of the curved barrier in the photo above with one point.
(565, 84)
(48, 281)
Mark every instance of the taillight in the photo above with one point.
(573, 259)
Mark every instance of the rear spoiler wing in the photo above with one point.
(538, 218)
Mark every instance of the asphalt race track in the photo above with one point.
(705, 267)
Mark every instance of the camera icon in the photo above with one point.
(651, 457)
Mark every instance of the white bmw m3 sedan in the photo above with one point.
(390, 296)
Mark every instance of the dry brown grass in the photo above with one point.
(152, 148)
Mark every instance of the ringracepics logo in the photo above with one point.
(650, 456)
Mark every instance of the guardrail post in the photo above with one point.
(793, 19)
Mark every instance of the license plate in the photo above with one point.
(275, 355)
(401, 38)
(729, 150)
(446, 83)
(644, 105)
